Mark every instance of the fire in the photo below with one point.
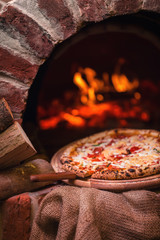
(122, 84)
(88, 95)
(91, 110)
(91, 85)
(120, 81)
(79, 81)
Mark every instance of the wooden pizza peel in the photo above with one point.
(147, 183)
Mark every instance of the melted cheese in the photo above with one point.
(117, 152)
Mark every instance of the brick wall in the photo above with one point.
(29, 31)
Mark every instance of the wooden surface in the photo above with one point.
(6, 117)
(17, 179)
(15, 146)
(150, 182)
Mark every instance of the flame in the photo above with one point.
(79, 81)
(87, 91)
(95, 83)
(91, 109)
(122, 84)
(91, 95)
(91, 87)
(120, 81)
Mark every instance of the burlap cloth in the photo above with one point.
(68, 213)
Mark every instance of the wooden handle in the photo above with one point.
(52, 176)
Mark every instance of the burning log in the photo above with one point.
(6, 117)
(15, 146)
(17, 179)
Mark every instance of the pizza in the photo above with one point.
(114, 154)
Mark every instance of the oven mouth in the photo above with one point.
(122, 54)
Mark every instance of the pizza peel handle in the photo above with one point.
(52, 176)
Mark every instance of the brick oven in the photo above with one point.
(44, 45)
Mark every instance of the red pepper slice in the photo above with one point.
(96, 160)
(98, 150)
(116, 157)
(91, 155)
(110, 143)
(134, 149)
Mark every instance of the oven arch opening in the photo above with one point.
(129, 43)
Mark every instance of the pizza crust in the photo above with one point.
(128, 173)
(80, 173)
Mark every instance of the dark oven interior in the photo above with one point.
(106, 76)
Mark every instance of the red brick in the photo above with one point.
(14, 94)
(16, 212)
(57, 9)
(127, 6)
(152, 5)
(34, 35)
(92, 10)
(17, 67)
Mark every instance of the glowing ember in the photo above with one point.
(74, 120)
(89, 108)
